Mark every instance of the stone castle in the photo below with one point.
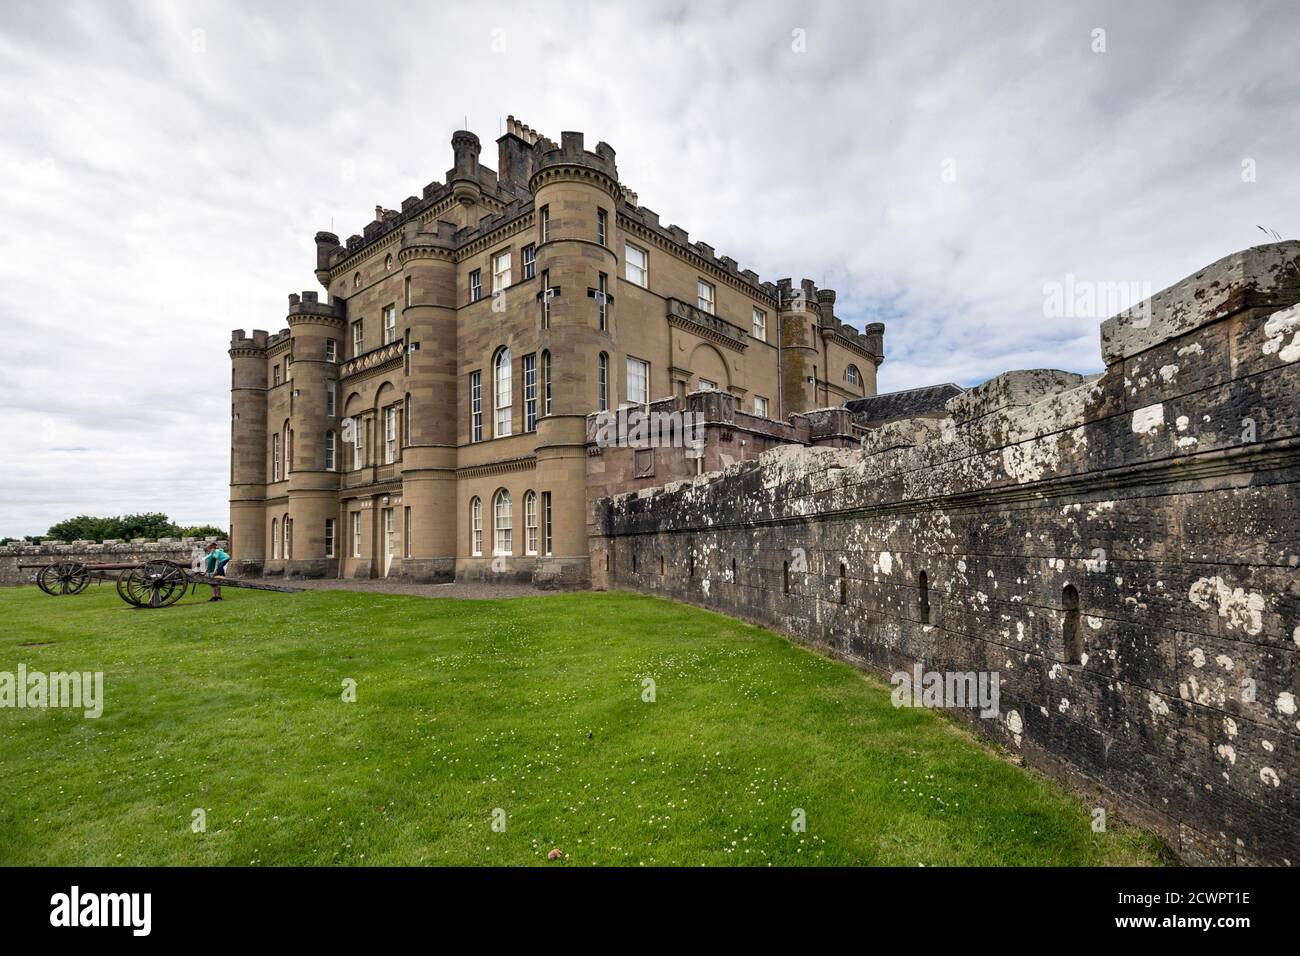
(426, 415)
(1121, 548)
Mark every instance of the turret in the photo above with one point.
(247, 449)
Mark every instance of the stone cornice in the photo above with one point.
(685, 316)
(376, 360)
(510, 228)
(574, 172)
(522, 463)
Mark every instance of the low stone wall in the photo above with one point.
(1121, 550)
(180, 550)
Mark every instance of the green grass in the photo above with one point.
(532, 705)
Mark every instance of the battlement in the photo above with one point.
(256, 342)
(308, 304)
(571, 152)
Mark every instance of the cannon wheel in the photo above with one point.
(66, 578)
(154, 584)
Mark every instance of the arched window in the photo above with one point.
(329, 451)
(288, 448)
(356, 281)
(388, 262)
(844, 585)
(503, 523)
(475, 526)
(1070, 629)
(853, 375)
(530, 522)
(275, 537)
(503, 399)
(546, 383)
(602, 383)
(923, 584)
(406, 421)
(287, 528)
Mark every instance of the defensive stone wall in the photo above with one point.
(180, 550)
(1120, 549)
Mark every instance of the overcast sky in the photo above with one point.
(165, 167)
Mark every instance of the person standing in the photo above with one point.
(216, 560)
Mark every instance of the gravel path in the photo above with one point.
(465, 590)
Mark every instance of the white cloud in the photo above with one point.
(162, 186)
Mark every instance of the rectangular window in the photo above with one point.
(356, 534)
(356, 338)
(406, 291)
(530, 261)
(329, 451)
(503, 395)
(636, 264)
(760, 406)
(390, 324)
(638, 381)
(275, 375)
(602, 288)
(475, 286)
(546, 522)
(358, 442)
(546, 223)
(546, 383)
(500, 272)
(329, 537)
(707, 386)
(275, 457)
(475, 406)
(406, 534)
(602, 221)
(390, 434)
(331, 350)
(760, 325)
(602, 382)
(530, 523)
(704, 296)
(331, 399)
(546, 298)
(530, 392)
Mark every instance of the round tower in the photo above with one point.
(575, 193)
(247, 452)
(427, 259)
(313, 415)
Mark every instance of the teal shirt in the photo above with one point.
(215, 558)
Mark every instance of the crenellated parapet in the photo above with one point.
(308, 309)
(571, 160)
(248, 346)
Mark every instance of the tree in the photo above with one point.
(151, 525)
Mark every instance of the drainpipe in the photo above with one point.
(780, 382)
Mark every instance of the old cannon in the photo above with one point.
(150, 584)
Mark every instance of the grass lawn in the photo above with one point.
(530, 706)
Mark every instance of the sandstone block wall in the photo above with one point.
(1163, 493)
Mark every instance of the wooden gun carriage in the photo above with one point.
(148, 584)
